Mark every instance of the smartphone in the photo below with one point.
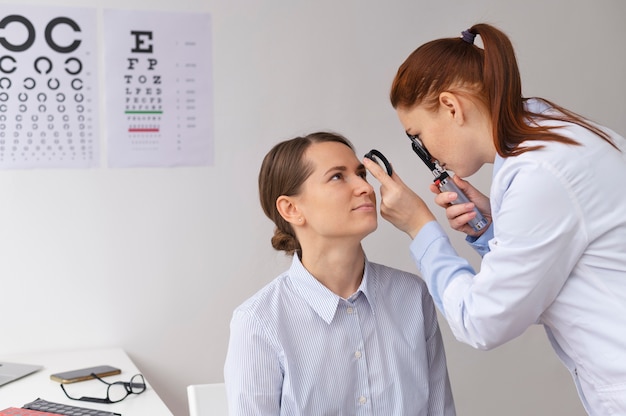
(84, 374)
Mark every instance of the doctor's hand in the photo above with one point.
(459, 215)
(399, 204)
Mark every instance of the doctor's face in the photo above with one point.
(448, 142)
(336, 200)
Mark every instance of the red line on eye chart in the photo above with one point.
(136, 130)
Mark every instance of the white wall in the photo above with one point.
(155, 260)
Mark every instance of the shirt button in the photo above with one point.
(357, 354)
(350, 310)
(362, 400)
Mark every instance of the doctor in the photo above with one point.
(555, 250)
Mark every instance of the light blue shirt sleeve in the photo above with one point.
(437, 260)
(255, 359)
(481, 244)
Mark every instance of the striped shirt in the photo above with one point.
(296, 348)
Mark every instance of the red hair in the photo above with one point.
(489, 76)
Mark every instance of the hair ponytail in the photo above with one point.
(490, 76)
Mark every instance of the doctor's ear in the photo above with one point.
(288, 210)
(451, 104)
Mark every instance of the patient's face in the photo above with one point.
(336, 200)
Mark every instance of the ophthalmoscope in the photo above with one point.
(444, 182)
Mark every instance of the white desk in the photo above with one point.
(39, 385)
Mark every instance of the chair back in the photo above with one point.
(207, 399)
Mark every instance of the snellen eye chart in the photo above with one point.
(158, 95)
(48, 85)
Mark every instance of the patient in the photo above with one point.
(335, 334)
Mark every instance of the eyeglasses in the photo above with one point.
(117, 391)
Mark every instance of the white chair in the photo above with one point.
(207, 400)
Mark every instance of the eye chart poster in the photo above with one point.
(48, 88)
(158, 88)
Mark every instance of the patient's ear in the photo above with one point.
(288, 209)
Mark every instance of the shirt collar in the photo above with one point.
(497, 164)
(323, 301)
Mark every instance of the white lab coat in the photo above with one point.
(555, 255)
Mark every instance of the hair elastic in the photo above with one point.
(468, 36)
